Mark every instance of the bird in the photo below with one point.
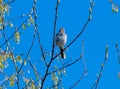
(61, 39)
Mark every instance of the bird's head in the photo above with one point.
(62, 30)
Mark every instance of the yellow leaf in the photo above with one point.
(1, 20)
(17, 37)
(1, 1)
(26, 80)
(1, 27)
(12, 81)
(1, 59)
(1, 65)
(33, 86)
(1, 8)
(25, 62)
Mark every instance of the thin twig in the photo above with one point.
(85, 68)
(10, 1)
(65, 66)
(34, 35)
(113, 3)
(18, 85)
(95, 85)
(38, 34)
(118, 53)
(17, 29)
(76, 83)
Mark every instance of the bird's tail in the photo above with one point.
(62, 53)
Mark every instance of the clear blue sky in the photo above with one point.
(72, 15)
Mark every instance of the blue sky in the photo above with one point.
(101, 31)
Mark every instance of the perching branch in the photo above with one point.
(54, 30)
(53, 45)
(80, 33)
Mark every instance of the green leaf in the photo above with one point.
(31, 20)
(116, 9)
(26, 80)
(33, 86)
(17, 37)
(113, 8)
(10, 24)
(28, 24)
(18, 58)
(24, 26)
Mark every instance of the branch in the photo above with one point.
(52, 58)
(118, 54)
(83, 75)
(53, 45)
(17, 29)
(10, 1)
(80, 33)
(85, 68)
(34, 35)
(115, 7)
(36, 29)
(54, 30)
(65, 66)
(18, 85)
(95, 85)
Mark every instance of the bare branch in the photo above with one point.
(80, 33)
(38, 34)
(53, 45)
(76, 83)
(34, 35)
(95, 85)
(85, 68)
